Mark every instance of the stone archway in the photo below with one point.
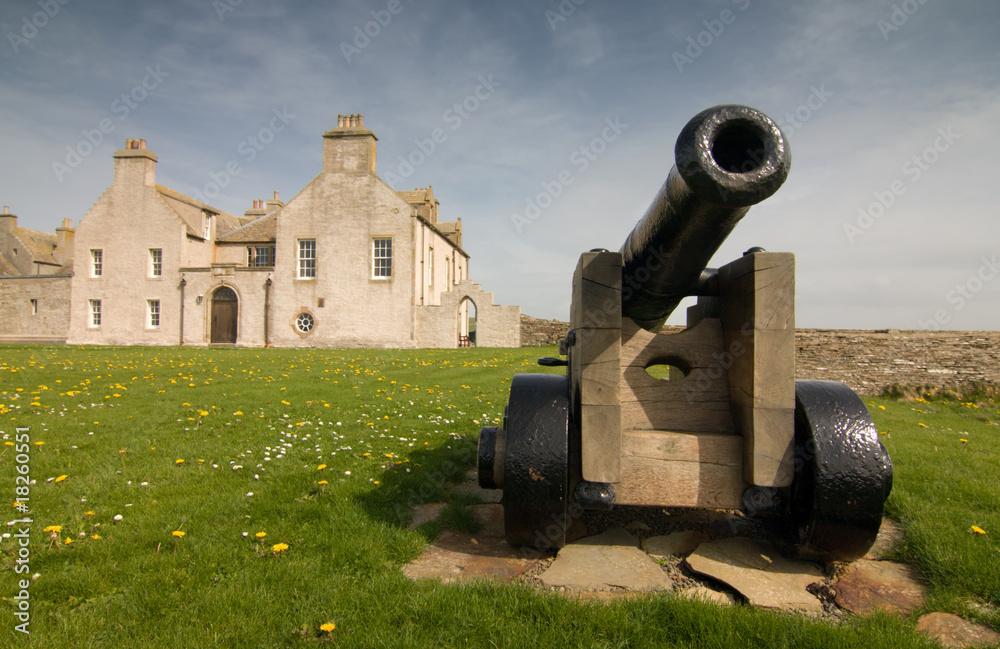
(467, 315)
(496, 325)
(225, 316)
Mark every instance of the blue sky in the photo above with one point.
(891, 110)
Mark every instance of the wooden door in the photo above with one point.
(225, 315)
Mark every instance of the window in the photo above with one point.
(382, 258)
(96, 263)
(95, 313)
(307, 258)
(208, 226)
(34, 306)
(430, 267)
(153, 307)
(155, 262)
(304, 323)
(260, 256)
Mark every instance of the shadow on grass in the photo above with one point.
(427, 476)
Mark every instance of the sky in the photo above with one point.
(558, 120)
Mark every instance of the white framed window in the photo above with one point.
(382, 258)
(260, 256)
(96, 263)
(304, 322)
(34, 306)
(153, 312)
(430, 267)
(208, 226)
(95, 313)
(155, 262)
(307, 258)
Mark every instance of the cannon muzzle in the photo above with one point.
(727, 159)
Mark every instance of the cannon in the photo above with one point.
(726, 426)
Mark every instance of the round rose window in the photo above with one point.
(304, 323)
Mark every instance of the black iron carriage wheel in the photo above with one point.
(536, 463)
(843, 475)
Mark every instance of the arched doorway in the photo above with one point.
(467, 323)
(225, 315)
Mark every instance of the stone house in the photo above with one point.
(347, 262)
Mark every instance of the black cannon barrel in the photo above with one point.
(727, 158)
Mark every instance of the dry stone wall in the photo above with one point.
(869, 361)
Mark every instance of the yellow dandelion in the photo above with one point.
(322, 482)
(88, 513)
(321, 467)
(178, 533)
(261, 535)
(285, 403)
(54, 528)
(238, 413)
(68, 541)
(95, 536)
(328, 627)
(8, 443)
(922, 425)
(977, 530)
(881, 407)
(61, 478)
(279, 547)
(40, 443)
(178, 461)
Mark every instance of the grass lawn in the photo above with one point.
(247, 497)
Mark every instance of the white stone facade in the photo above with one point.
(347, 262)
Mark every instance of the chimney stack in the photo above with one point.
(350, 147)
(135, 165)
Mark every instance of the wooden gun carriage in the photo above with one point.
(730, 427)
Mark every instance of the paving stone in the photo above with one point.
(758, 572)
(458, 556)
(678, 544)
(608, 561)
(704, 594)
(425, 513)
(490, 519)
(890, 535)
(955, 633)
(870, 586)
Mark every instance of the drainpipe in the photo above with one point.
(267, 307)
(183, 284)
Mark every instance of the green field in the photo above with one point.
(247, 497)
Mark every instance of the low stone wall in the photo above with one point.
(536, 332)
(869, 361)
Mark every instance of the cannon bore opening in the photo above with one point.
(738, 147)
